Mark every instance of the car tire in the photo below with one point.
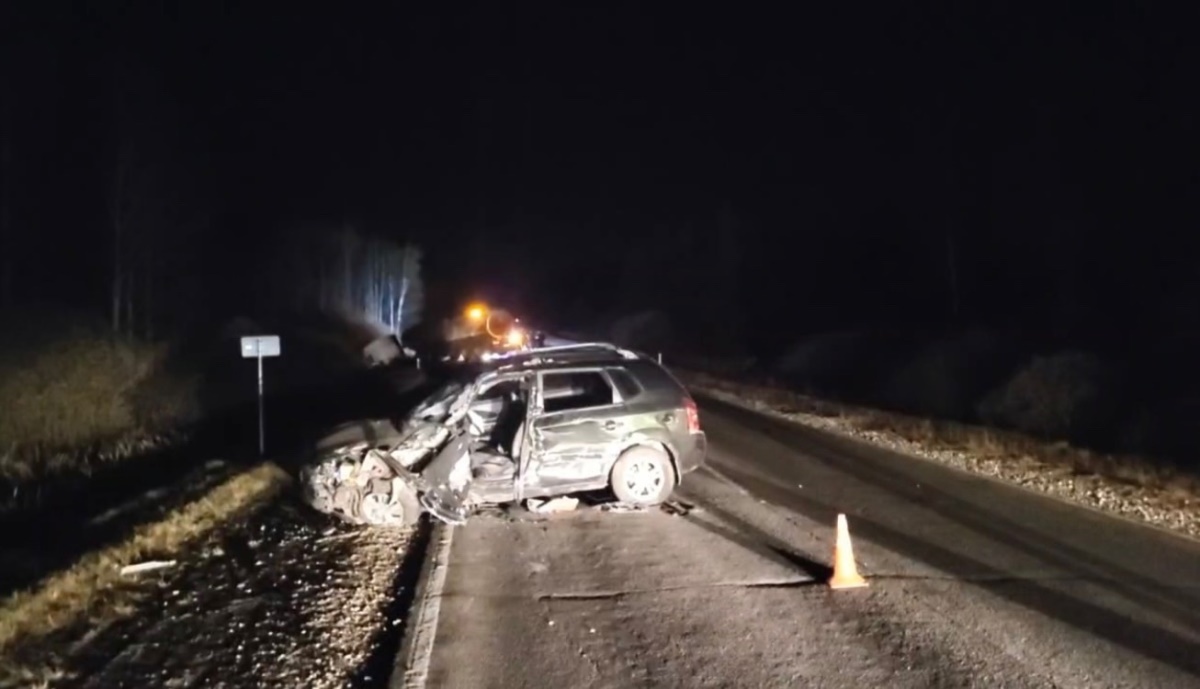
(643, 476)
(390, 503)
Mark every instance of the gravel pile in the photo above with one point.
(1155, 506)
(286, 599)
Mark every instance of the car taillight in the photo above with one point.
(693, 415)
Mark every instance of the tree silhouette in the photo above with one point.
(349, 273)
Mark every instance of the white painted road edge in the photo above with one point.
(417, 649)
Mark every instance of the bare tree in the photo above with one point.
(410, 297)
(7, 240)
(727, 254)
(135, 217)
(122, 198)
(155, 209)
(952, 190)
(350, 273)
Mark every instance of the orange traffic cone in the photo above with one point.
(845, 572)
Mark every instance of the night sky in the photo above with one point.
(806, 170)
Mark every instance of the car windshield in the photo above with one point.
(436, 406)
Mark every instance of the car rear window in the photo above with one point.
(575, 390)
(626, 384)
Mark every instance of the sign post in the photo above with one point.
(257, 347)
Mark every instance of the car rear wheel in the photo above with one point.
(643, 476)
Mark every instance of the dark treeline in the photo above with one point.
(760, 181)
(117, 202)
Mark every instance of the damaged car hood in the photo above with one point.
(371, 432)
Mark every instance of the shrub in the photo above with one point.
(845, 365)
(946, 378)
(1166, 429)
(646, 331)
(1071, 395)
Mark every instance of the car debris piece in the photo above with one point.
(620, 507)
(677, 507)
(384, 350)
(146, 566)
(560, 504)
(361, 488)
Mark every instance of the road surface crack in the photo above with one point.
(1012, 578)
(796, 582)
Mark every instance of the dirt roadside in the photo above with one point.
(284, 598)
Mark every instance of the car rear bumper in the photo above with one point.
(692, 453)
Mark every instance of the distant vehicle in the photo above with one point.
(483, 332)
(533, 424)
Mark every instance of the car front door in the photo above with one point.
(486, 407)
(448, 481)
(576, 418)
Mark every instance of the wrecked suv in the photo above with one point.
(535, 424)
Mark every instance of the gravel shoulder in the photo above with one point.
(286, 598)
(1172, 507)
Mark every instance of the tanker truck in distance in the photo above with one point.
(479, 331)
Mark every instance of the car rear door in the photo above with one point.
(577, 417)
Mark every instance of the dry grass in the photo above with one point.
(92, 590)
(978, 441)
(73, 392)
(78, 396)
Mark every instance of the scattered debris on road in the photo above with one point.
(620, 507)
(677, 508)
(146, 566)
(561, 504)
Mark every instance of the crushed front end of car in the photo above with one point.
(377, 479)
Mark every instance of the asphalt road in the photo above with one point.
(973, 583)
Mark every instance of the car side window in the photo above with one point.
(575, 390)
(499, 389)
(626, 384)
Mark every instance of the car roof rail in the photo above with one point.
(565, 352)
(578, 347)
